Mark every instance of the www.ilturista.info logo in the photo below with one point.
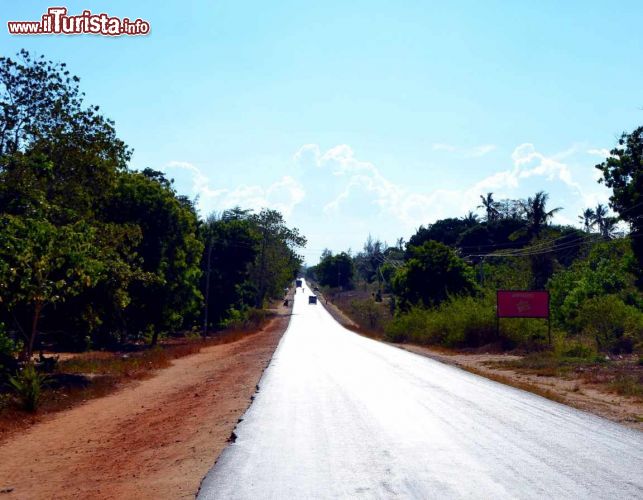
(57, 22)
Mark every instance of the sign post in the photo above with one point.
(523, 304)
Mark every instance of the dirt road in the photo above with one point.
(155, 439)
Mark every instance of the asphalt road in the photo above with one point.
(342, 416)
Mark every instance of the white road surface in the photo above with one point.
(338, 415)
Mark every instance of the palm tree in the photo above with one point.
(471, 219)
(600, 212)
(490, 207)
(588, 219)
(606, 224)
(537, 214)
(608, 228)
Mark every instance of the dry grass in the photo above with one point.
(546, 364)
(623, 376)
(518, 384)
(95, 374)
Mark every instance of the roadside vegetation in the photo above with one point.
(439, 287)
(99, 257)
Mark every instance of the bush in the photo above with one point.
(9, 349)
(431, 275)
(605, 271)
(462, 321)
(615, 326)
(370, 314)
(465, 322)
(28, 385)
(246, 319)
(578, 350)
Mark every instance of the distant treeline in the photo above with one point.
(93, 253)
(440, 285)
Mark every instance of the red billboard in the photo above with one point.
(522, 304)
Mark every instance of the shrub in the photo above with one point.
(28, 385)
(432, 274)
(460, 321)
(370, 314)
(578, 350)
(465, 322)
(605, 271)
(244, 319)
(614, 325)
(528, 333)
(8, 352)
(411, 326)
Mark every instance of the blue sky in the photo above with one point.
(364, 116)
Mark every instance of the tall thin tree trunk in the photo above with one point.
(28, 349)
(262, 269)
(207, 291)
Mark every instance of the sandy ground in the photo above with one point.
(153, 439)
(575, 392)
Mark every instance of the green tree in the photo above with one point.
(231, 245)
(369, 260)
(537, 214)
(169, 248)
(44, 264)
(623, 173)
(588, 219)
(447, 231)
(75, 149)
(277, 262)
(604, 271)
(432, 274)
(336, 270)
(490, 207)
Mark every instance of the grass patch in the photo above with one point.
(548, 364)
(95, 374)
(628, 385)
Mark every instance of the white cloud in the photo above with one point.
(283, 195)
(362, 183)
(307, 154)
(337, 198)
(480, 151)
(601, 152)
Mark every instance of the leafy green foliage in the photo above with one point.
(28, 385)
(94, 254)
(466, 321)
(623, 172)
(335, 270)
(9, 348)
(231, 246)
(431, 274)
(458, 322)
(44, 264)
(446, 231)
(277, 262)
(170, 251)
(614, 325)
(605, 271)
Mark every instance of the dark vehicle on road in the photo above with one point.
(312, 299)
